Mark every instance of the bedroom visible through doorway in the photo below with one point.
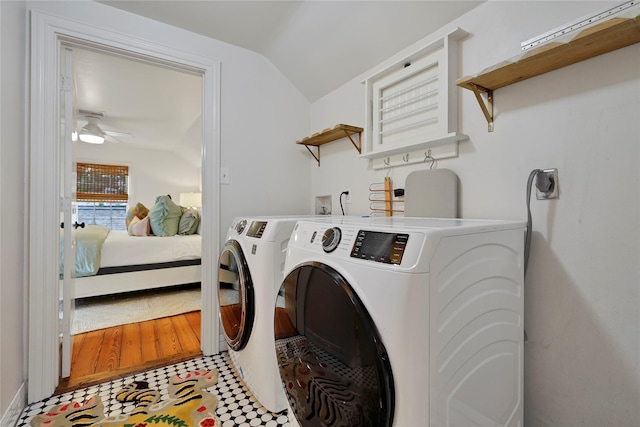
(146, 115)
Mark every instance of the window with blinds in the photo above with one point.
(102, 183)
(102, 194)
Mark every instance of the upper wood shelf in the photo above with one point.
(601, 38)
(339, 131)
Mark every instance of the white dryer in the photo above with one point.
(403, 322)
(250, 272)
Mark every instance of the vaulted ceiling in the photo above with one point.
(318, 45)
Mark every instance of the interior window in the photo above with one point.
(102, 192)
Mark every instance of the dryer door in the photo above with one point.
(332, 362)
(235, 295)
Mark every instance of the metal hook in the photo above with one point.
(387, 164)
(406, 157)
(428, 156)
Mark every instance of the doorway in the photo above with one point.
(48, 34)
(144, 116)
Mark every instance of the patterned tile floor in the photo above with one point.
(237, 407)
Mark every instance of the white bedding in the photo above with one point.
(121, 249)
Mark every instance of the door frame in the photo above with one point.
(48, 32)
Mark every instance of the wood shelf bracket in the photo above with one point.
(339, 131)
(313, 154)
(487, 107)
(358, 145)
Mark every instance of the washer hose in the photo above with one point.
(527, 240)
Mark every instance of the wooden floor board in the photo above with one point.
(194, 319)
(131, 340)
(110, 352)
(149, 343)
(116, 352)
(170, 343)
(186, 334)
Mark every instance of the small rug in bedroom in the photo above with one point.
(113, 310)
(189, 404)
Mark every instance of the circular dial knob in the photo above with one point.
(331, 239)
(240, 226)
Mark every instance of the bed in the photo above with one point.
(161, 247)
(125, 263)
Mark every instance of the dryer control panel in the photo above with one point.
(379, 246)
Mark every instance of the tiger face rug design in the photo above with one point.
(189, 405)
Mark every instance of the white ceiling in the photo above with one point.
(318, 45)
(158, 107)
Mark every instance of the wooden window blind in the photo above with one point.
(102, 183)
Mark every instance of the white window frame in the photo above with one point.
(433, 131)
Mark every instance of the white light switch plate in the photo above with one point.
(225, 178)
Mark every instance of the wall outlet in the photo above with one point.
(547, 184)
(347, 197)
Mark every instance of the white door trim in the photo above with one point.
(47, 34)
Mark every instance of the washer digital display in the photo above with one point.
(256, 229)
(382, 247)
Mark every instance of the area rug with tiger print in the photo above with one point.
(188, 405)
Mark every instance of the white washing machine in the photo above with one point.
(250, 272)
(403, 322)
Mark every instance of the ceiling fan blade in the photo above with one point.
(112, 139)
(92, 118)
(118, 134)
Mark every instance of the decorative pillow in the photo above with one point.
(139, 227)
(164, 217)
(189, 222)
(139, 211)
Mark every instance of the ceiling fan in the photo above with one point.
(91, 133)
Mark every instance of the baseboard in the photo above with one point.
(12, 414)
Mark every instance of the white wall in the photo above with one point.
(13, 33)
(582, 301)
(269, 172)
(152, 172)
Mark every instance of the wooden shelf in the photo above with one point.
(339, 131)
(601, 38)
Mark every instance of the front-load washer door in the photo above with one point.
(332, 362)
(235, 296)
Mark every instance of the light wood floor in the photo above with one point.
(111, 353)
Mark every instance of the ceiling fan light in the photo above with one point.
(91, 133)
(91, 139)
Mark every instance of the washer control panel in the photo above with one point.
(379, 246)
(360, 243)
(256, 229)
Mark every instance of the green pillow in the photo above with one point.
(164, 217)
(189, 222)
